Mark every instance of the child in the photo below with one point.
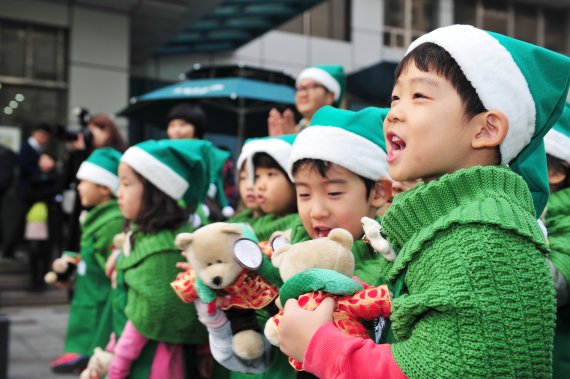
(557, 144)
(472, 293)
(337, 185)
(161, 182)
(275, 194)
(250, 209)
(90, 315)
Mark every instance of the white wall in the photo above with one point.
(99, 60)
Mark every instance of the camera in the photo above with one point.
(69, 135)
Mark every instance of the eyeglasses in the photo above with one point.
(309, 87)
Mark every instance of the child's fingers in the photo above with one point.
(326, 308)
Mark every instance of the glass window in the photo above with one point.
(45, 50)
(464, 12)
(33, 68)
(495, 16)
(424, 15)
(555, 33)
(330, 19)
(394, 13)
(526, 23)
(320, 20)
(13, 40)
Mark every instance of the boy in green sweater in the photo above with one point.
(557, 144)
(473, 296)
(90, 322)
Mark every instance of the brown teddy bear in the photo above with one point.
(320, 268)
(229, 269)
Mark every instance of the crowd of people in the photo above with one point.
(467, 174)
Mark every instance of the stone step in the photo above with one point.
(14, 281)
(50, 296)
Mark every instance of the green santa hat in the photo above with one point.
(179, 168)
(101, 168)
(526, 82)
(557, 140)
(353, 140)
(329, 76)
(278, 148)
(218, 158)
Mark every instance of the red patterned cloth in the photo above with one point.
(248, 291)
(368, 304)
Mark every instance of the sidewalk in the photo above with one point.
(37, 336)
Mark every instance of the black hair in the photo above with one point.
(43, 127)
(192, 114)
(561, 166)
(431, 57)
(323, 167)
(158, 210)
(265, 160)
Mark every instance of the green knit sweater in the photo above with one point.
(264, 226)
(478, 298)
(558, 226)
(152, 306)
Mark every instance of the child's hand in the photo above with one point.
(297, 326)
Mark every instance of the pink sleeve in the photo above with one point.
(127, 349)
(332, 354)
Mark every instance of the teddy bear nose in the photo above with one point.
(217, 280)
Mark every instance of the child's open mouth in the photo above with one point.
(397, 145)
(322, 231)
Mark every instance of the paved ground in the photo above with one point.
(36, 337)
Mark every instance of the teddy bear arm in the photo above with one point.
(369, 304)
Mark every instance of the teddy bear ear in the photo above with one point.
(248, 254)
(341, 236)
(183, 240)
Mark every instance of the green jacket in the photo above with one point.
(144, 275)
(90, 316)
(478, 300)
(558, 226)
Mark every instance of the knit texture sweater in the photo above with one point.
(478, 298)
(264, 226)
(558, 226)
(152, 306)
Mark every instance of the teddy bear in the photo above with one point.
(229, 270)
(63, 269)
(320, 268)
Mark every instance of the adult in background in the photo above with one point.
(8, 164)
(28, 163)
(100, 131)
(316, 87)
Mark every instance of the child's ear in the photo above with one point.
(555, 177)
(492, 127)
(381, 192)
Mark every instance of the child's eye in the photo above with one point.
(418, 95)
(395, 98)
(303, 195)
(335, 194)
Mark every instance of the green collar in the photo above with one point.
(147, 244)
(100, 216)
(559, 203)
(492, 195)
